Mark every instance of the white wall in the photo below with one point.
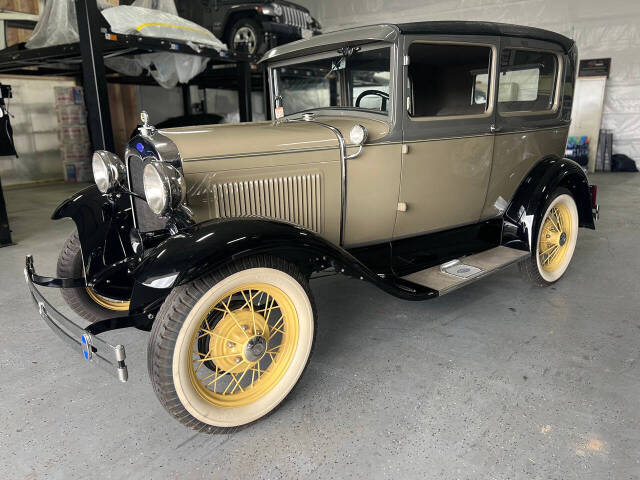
(35, 131)
(601, 28)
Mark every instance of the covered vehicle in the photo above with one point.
(417, 157)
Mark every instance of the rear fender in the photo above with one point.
(523, 215)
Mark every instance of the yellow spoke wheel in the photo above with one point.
(556, 240)
(555, 236)
(108, 303)
(227, 348)
(251, 333)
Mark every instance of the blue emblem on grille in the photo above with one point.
(140, 147)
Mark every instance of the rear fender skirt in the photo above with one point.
(103, 223)
(203, 248)
(523, 215)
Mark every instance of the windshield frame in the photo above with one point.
(388, 116)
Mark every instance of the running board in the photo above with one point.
(457, 273)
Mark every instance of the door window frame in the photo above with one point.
(489, 110)
(557, 84)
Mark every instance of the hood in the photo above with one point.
(245, 139)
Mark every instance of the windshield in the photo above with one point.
(355, 79)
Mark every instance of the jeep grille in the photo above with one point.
(294, 16)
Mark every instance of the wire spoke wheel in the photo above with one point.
(227, 348)
(555, 234)
(251, 334)
(555, 242)
(108, 303)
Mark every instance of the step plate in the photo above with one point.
(452, 275)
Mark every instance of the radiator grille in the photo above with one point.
(294, 16)
(295, 199)
(146, 220)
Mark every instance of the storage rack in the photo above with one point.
(85, 59)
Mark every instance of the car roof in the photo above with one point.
(389, 33)
(486, 28)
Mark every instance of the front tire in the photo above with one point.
(258, 317)
(247, 36)
(555, 240)
(84, 301)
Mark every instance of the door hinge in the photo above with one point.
(406, 60)
(405, 149)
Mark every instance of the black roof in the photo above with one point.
(486, 28)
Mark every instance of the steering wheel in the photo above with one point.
(383, 95)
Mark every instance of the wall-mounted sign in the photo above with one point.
(597, 67)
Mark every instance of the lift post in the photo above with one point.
(94, 78)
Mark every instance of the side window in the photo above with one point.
(527, 81)
(448, 80)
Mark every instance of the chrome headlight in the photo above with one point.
(108, 170)
(277, 9)
(308, 18)
(358, 135)
(163, 187)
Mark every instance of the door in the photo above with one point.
(448, 133)
(529, 116)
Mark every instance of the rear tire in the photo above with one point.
(86, 303)
(555, 240)
(252, 359)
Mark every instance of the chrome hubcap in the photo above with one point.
(255, 348)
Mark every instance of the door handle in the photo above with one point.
(494, 129)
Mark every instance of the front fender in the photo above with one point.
(202, 248)
(523, 215)
(103, 223)
(205, 247)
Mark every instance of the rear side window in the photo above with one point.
(444, 80)
(527, 81)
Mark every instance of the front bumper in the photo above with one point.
(93, 348)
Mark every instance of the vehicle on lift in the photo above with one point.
(417, 157)
(251, 26)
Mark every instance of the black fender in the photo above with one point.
(103, 223)
(523, 215)
(205, 247)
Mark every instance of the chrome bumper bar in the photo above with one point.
(94, 349)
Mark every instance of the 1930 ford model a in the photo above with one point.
(418, 157)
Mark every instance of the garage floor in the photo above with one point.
(497, 380)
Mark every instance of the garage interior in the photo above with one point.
(500, 379)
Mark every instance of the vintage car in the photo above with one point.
(417, 157)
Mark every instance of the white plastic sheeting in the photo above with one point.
(166, 68)
(154, 23)
(601, 28)
(153, 18)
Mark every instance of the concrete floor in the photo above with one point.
(499, 380)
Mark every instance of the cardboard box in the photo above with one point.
(71, 114)
(77, 172)
(69, 95)
(73, 134)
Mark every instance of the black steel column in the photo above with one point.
(244, 91)
(5, 231)
(186, 99)
(94, 80)
(266, 92)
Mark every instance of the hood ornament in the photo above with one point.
(146, 130)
